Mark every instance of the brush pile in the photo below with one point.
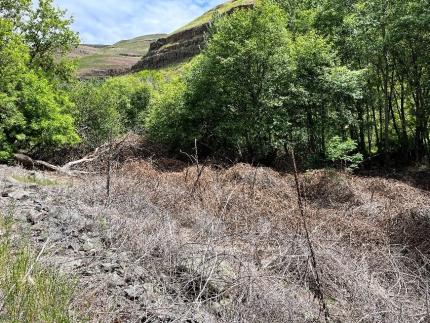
(227, 245)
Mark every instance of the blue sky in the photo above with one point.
(108, 21)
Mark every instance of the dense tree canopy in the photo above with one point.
(301, 72)
(34, 111)
(316, 75)
(257, 87)
(390, 39)
(108, 109)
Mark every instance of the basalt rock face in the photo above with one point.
(174, 49)
(178, 47)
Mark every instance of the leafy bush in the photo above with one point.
(109, 108)
(165, 120)
(33, 112)
(340, 152)
(130, 97)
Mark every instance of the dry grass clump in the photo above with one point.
(411, 230)
(330, 188)
(227, 245)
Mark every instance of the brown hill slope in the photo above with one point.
(150, 51)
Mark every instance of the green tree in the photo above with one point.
(112, 107)
(14, 10)
(167, 115)
(47, 33)
(257, 87)
(391, 40)
(49, 37)
(233, 89)
(33, 113)
(96, 115)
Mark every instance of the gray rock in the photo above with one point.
(134, 292)
(219, 274)
(88, 246)
(109, 267)
(149, 288)
(73, 246)
(33, 217)
(18, 195)
(139, 272)
(114, 280)
(65, 263)
(91, 245)
(36, 176)
(40, 207)
(72, 265)
(91, 234)
(66, 215)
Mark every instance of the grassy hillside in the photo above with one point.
(93, 59)
(206, 17)
(121, 55)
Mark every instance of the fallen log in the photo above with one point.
(89, 158)
(28, 162)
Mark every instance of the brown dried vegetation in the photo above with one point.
(228, 246)
(202, 243)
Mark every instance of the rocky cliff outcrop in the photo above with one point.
(178, 47)
(173, 49)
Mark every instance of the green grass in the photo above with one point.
(33, 180)
(93, 61)
(126, 53)
(164, 74)
(136, 45)
(28, 291)
(121, 54)
(208, 16)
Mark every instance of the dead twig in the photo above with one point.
(195, 159)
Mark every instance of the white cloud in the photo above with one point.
(108, 21)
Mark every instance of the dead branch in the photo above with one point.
(318, 288)
(28, 162)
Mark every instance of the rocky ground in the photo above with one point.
(227, 245)
(44, 211)
(112, 283)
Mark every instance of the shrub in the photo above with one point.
(341, 152)
(109, 108)
(35, 116)
(167, 115)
